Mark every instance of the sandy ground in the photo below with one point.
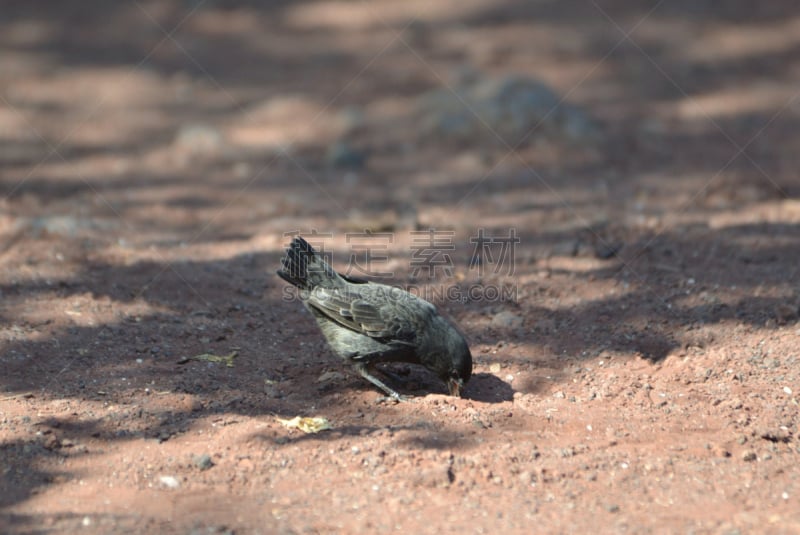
(639, 375)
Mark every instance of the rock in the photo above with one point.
(511, 107)
(198, 139)
(330, 376)
(342, 154)
(604, 250)
(507, 320)
(170, 482)
(203, 462)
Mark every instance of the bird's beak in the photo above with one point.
(455, 386)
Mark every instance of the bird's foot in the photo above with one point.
(362, 369)
(397, 398)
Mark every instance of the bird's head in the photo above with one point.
(460, 369)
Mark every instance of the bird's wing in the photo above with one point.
(373, 310)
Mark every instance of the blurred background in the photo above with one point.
(171, 122)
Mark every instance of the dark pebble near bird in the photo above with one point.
(367, 323)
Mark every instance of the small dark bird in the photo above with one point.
(366, 323)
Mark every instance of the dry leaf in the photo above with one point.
(306, 425)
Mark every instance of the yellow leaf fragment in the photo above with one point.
(306, 425)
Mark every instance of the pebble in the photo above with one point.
(330, 376)
(198, 138)
(749, 456)
(507, 320)
(342, 154)
(170, 482)
(203, 462)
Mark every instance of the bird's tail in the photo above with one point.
(305, 268)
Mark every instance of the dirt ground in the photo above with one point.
(639, 375)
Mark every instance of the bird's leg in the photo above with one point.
(362, 369)
(397, 378)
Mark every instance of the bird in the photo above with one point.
(366, 323)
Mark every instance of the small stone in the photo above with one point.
(507, 320)
(341, 154)
(611, 507)
(203, 462)
(495, 367)
(749, 456)
(604, 250)
(198, 138)
(170, 482)
(330, 376)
